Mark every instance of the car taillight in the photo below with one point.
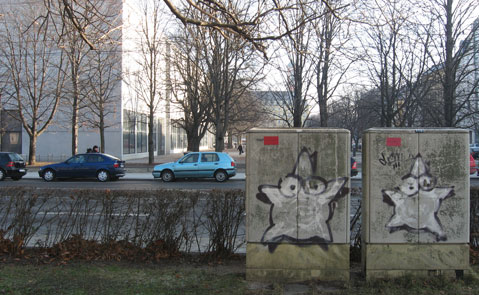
(116, 165)
(354, 166)
(10, 164)
(233, 164)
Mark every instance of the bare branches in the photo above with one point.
(87, 17)
(258, 22)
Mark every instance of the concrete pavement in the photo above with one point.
(132, 176)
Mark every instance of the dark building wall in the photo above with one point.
(10, 132)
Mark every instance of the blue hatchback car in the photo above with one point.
(219, 166)
(93, 165)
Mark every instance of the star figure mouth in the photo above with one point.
(417, 201)
(301, 205)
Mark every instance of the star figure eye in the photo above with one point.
(409, 186)
(288, 186)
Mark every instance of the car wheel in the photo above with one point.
(2, 174)
(167, 176)
(221, 176)
(49, 175)
(16, 178)
(102, 175)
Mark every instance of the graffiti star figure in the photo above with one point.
(418, 190)
(301, 205)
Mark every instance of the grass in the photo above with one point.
(85, 278)
(186, 278)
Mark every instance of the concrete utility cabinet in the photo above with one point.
(297, 190)
(415, 217)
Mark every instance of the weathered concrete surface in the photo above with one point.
(421, 259)
(297, 190)
(291, 263)
(415, 193)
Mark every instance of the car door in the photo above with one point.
(187, 166)
(93, 163)
(72, 167)
(209, 162)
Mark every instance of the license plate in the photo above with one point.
(21, 170)
(122, 165)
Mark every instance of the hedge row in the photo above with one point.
(118, 224)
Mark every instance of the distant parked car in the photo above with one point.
(12, 165)
(219, 166)
(474, 147)
(354, 167)
(472, 165)
(103, 167)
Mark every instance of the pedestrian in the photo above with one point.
(240, 149)
(95, 149)
(88, 150)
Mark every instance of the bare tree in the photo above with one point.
(396, 60)
(452, 23)
(330, 55)
(149, 81)
(353, 112)
(247, 113)
(190, 96)
(103, 78)
(35, 69)
(231, 68)
(296, 69)
(81, 26)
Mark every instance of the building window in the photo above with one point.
(161, 137)
(178, 138)
(155, 134)
(128, 132)
(142, 134)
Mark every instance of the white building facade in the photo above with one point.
(126, 134)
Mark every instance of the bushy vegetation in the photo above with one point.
(120, 225)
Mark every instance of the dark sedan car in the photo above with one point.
(11, 165)
(94, 165)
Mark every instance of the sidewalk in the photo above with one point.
(132, 176)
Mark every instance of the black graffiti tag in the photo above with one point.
(393, 160)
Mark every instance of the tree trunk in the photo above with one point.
(102, 132)
(75, 128)
(151, 143)
(75, 107)
(449, 74)
(32, 159)
(219, 138)
(193, 143)
(230, 140)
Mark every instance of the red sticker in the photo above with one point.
(271, 140)
(393, 141)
